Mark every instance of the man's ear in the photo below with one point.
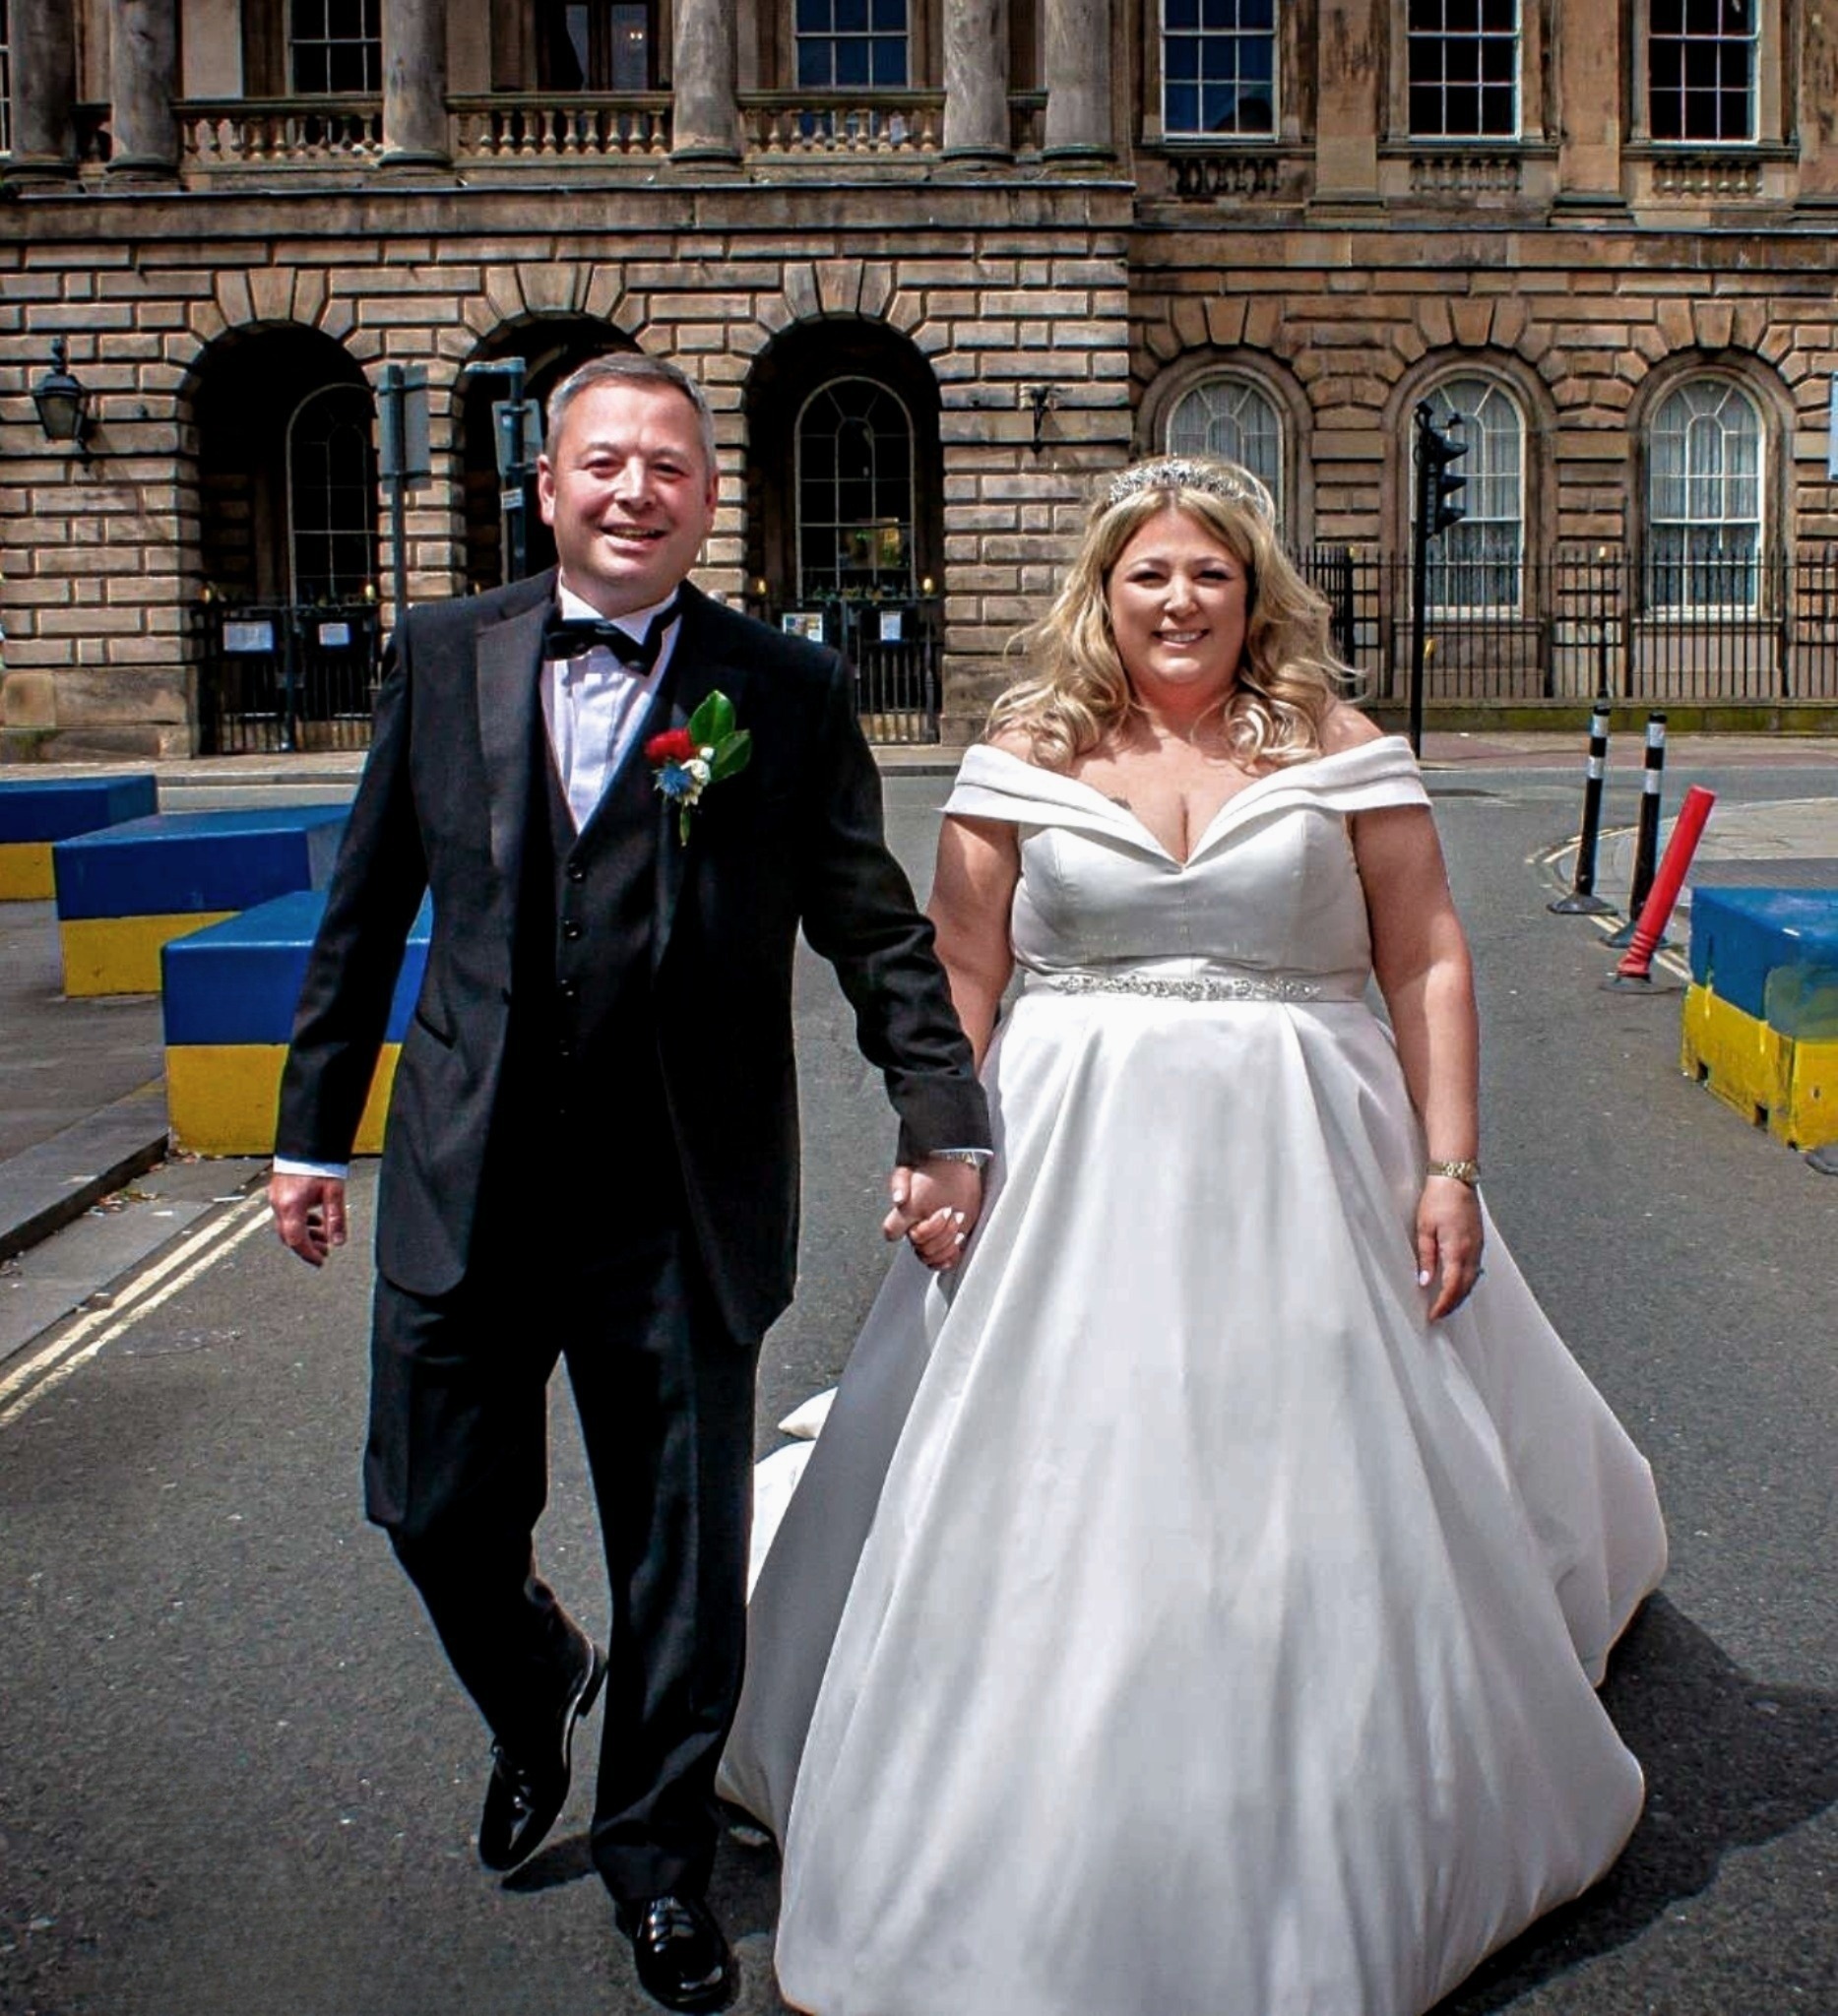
(546, 489)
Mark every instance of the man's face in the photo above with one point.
(629, 494)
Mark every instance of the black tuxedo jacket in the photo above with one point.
(794, 839)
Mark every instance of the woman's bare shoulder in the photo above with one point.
(1346, 728)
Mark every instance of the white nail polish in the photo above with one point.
(1423, 1279)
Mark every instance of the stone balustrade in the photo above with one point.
(585, 127)
(280, 133)
(786, 124)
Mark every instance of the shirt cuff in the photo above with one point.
(286, 1165)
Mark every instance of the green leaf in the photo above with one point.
(731, 754)
(713, 721)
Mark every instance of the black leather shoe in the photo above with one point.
(680, 1951)
(526, 1793)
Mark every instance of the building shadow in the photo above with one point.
(1730, 1762)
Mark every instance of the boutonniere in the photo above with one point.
(686, 761)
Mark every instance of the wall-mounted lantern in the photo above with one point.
(63, 404)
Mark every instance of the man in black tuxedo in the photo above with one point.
(592, 1145)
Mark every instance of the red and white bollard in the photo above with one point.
(1637, 967)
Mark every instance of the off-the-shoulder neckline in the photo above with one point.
(1289, 774)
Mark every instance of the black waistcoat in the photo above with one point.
(583, 1102)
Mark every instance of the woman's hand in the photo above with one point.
(1448, 1242)
(935, 1209)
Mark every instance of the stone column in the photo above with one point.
(415, 83)
(1348, 114)
(705, 110)
(142, 68)
(1589, 79)
(975, 81)
(1078, 80)
(44, 91)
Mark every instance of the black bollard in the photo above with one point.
(1646, 835)
(1582, 901)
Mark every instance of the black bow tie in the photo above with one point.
(567, 637)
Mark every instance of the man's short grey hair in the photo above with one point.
(628, 367)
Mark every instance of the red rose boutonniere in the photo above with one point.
(686, 761)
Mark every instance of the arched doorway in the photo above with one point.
(287, 622)
(551, 347)
(846, 510)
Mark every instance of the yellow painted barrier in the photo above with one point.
(1786, 1084)
(121, 955)
(220, 1097)
(26, 871)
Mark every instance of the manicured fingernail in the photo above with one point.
(1424, 1278)
(960, 1237)
(957, 1218)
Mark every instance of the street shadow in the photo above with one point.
(561, 1862)
(1730, 1762)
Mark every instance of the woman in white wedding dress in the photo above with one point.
(1194, 1603)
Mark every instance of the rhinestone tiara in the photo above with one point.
(1185, 472)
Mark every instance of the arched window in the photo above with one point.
(855, 493)
(331, 494)
(1237, 421)
(1704, 500)
(1478, 563)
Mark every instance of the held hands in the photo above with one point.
(935, 1209)
(310, 1215)
(1448, 1242)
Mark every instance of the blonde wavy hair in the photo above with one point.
(1078, 691)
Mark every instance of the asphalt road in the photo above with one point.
(235, 1776)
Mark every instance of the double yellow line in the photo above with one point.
(47, 1369)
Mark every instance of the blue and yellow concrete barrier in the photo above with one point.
(230, 993)
(122, 893)
(36, 812)
(1761, 1013)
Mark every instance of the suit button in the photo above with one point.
(575, 873)
(564, 1051)
(569, 990)
(571, 929)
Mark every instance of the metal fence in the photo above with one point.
(1587, 623)
(897, 650)
(278, 676)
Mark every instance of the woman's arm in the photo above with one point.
(1419, 957)
(973, 889)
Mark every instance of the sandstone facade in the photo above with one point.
(1058, 281)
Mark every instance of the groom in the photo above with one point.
(592, 1145)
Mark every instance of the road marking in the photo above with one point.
(1676, 963)
(45, 1371)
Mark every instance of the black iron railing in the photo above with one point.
(279, 676)
(1590, 621)
(897, 650)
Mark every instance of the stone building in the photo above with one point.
(940, 262)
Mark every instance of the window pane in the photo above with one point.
(1704, 500)
(1229, 48)
(1464, 58)
(1235, 420)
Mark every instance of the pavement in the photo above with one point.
(82, 1120)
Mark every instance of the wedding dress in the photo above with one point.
(1170, 1622)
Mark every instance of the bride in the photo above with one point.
(1194, 1603)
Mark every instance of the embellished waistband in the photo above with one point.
(1200, 987)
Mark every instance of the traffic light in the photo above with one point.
(1438, 487)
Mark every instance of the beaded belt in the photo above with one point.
(1203, 987)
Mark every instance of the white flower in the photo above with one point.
(699, 769)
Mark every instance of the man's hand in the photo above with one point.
(310, 1215)
(936, 1207)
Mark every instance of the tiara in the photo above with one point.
(1183, 473)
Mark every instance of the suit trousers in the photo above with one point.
(457, 1472)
